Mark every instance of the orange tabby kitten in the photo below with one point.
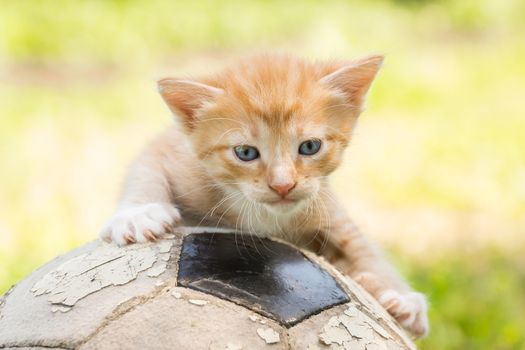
(251, 150)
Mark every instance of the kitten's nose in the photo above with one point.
(283, 189)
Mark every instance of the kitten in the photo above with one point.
(251, 150)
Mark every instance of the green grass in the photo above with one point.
(436, 171)
(486, 287)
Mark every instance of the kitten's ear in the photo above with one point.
(354, 79)
(186, 97)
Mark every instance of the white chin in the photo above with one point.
(283, 208)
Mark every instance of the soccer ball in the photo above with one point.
(195, 289)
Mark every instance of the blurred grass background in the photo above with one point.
(436, 172)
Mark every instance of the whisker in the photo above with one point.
(313, 208)
(228, 209)
(236, 200)
(261, 240)
(252, 232)
(208, 212)
(241, 216)
(222, 201)
(207, 187)
(327, 225)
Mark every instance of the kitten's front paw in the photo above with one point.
(409, 309)
(140, 223)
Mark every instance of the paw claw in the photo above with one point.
(403, 317)
(150, 235)
(392, 305)
(129, 238)
(167, 227)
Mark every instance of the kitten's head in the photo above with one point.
(272, 127)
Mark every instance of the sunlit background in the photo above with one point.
(436, 172)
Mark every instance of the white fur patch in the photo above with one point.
(138, 221)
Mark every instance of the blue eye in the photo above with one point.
(246, 153)
(310, 147)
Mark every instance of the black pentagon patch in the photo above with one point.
(268, 277)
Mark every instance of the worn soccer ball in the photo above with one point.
(194, 290)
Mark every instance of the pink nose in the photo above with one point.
(282, 189)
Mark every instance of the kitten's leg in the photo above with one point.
(359, 259)
(349, 250)
(145, 211)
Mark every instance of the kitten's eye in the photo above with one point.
(246, 153)
(310, 147)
